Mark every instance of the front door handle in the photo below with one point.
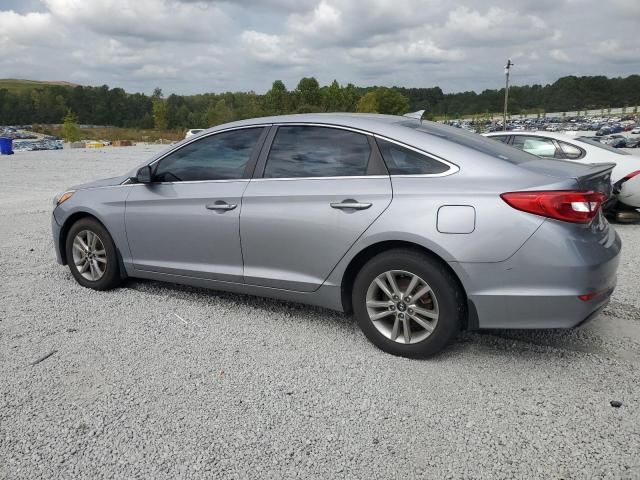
(350, 204)
(221, 206)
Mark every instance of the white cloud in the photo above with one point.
(559, 55)
(420, 51)
(273, 49)
(325, 19)
(155, 71)
(188, 46)
(148, 19)
(616, 52)
(465, 26)
(26, 30)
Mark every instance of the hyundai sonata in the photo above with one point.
(419, 229)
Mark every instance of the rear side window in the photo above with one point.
(539, 146)
(403, 161)
(571, 152)
(223, 156)
(301, 151)
(500, 138)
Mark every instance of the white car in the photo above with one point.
(636, 129)
(192, 132)
(557, 146)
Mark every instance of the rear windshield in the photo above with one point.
(471, 140)
(596, 143)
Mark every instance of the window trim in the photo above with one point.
(376, 156)
(583, 152)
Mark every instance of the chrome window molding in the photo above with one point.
(453, 168)
(343, 177)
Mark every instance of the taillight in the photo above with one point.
(566, 205)
(631, 175)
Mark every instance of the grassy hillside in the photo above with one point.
(13, 84)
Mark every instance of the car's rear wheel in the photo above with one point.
(408, 303)
(91, 255)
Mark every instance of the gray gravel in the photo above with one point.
(243, 387)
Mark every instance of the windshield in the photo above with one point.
(471, 140)
(596, 143)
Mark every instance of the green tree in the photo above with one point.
(333, 98)
(278, 99)
(309, 91)
(368, 103)
(70, 131)
(160, 110)
(219, 113)
(392, 102)
(384, 100)
(160, 115)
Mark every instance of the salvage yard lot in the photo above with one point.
(163, 381)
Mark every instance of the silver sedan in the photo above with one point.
(419, 229)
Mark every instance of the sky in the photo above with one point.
(191, 46)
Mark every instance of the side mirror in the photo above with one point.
(144, 174)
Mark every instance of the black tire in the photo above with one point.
(111, 276)
(450, 298)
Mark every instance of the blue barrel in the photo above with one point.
(6, 146)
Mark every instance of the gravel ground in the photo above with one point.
(160, 381)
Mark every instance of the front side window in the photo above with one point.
(223, 156)
(403, 161)
(306, 151)
(539, 146)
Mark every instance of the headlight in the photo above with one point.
(63, 197)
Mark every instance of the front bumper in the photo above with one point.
(56, 230)
(540, 285)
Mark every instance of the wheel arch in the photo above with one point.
(64, 232)
(366, 254)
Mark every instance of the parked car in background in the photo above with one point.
(618, 143)
(193, 131)
(609, 139)
(636, 129)
(632, 142)
(418, 228)
(625, 177)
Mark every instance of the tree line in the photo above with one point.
(113, 106)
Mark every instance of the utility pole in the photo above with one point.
(507, 67)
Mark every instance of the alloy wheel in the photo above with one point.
(89, 255)
(402, 306)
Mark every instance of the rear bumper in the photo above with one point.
(540, 285)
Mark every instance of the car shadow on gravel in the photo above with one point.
(560, 341)
(207, 296)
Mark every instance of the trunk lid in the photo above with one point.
(596, 177)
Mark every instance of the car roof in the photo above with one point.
(444, 141)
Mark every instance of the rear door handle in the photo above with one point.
(350, 204)
(221, 205)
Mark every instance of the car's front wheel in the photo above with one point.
(91, 255)
(408, 303)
